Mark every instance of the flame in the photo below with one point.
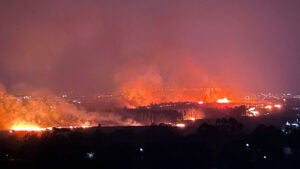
(193, 118)
(200, 102)
(193, 114)
(223, 100)
(27, 127)
(39, 110)
(32, 127)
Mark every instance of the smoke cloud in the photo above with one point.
(97, 46)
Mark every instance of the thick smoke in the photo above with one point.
(167, 76)
(81, 46)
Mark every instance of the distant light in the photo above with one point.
(255, 113)
(265, 157)
(90, 155)
(26, 97)
(193, 118)
(180, 125)
(247, 145)
(268, 107)
(287, 151)
(141, 150)
(251, 109)
(277, 106)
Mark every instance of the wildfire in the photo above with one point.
(223, 100)
(31, 127)
(192, 118)
(193, 114)
(27, 127)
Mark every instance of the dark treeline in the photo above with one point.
(223, 145)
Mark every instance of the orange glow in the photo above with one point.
(141, 94)
(224, 100)
(30, 127)
(193, 114)
(27, 127)
(39, 111)
(85, 127)
(193, 118)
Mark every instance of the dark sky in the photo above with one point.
(98, 45)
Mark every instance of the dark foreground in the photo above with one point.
(223, 145)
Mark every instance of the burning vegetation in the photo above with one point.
(40, 111)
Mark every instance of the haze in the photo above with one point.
(100, 46)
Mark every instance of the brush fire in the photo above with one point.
(43, 111)
(39, 112)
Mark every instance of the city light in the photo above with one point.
(180, 125)
(268, 107)
(277, 106)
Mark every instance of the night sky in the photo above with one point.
(96, 46)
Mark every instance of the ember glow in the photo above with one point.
(224, 100)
